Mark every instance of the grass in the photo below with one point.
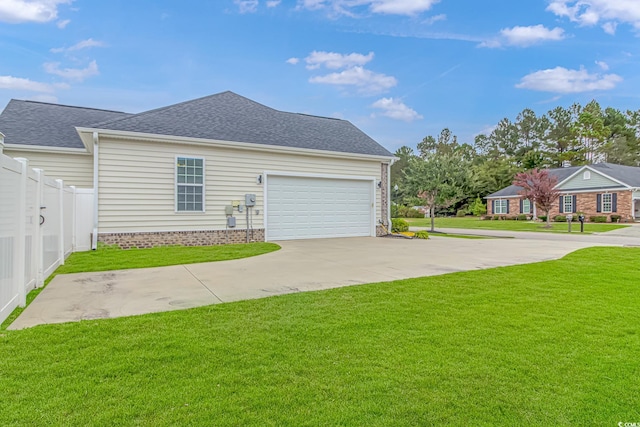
(553, 343)
(107, 258)
(476, 223)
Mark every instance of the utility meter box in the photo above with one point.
(228, 210)
(231, 221)
(249, 200)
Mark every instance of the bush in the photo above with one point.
(461, 213)
(522, 217)
(560, 218)
(407, 212)
(599, 218)
(424, 234)
(615, 218)
(398, 225)
(487, 217)
(543, 218)
(511, 217)
(496, 217)
(478, 208)
(395, 210)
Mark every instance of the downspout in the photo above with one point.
(94, 235)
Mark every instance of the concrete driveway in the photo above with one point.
(302, 265)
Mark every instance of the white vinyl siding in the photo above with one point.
(190, 184)
(607, 203)
(500, 207)
(137, 183)
(73, 169)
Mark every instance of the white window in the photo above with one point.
(526, 206)
(607, 203)
(189, 184)
(500, 207)
(586, 175)
(567, 204)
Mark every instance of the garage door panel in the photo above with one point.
(307, 208)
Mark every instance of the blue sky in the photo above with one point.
(398, 69)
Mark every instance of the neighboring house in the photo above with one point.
(45, 134)
(184, 174)
(602, 189)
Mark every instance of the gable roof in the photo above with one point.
(33, 123)
(628, 175)
(230, 117)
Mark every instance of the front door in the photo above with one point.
(637, 211)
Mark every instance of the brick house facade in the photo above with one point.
(595, 190)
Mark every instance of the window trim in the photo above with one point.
(586, 175)
(602, 203)
(495, 206)
(565, 204)
(175, 183)
(528, 210)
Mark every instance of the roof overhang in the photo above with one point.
(86, 134)
(46, 149)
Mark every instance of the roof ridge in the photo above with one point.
(156, 110)
(314, 115)
(67, 106)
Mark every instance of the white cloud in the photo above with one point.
(84, 44)
(63, 23)
(52, 99)
(387, 7)
(396, 109)
(16, 11)
(273, 3)
(293, 61)
(525, 36)
(592, 12)
(336, 61)
(247, 6)
(19, 83)
(562, 80)
(603, 65)
(367, 82)
(433, 19)
(77, 74)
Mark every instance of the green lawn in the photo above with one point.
(107, 258)
(547, 344)
(476, 223)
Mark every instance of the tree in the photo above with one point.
(478, 208)
(438, 179)
(397, 169)
(539, 187)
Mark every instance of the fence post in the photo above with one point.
(60, 185)
(37, 235)
(21, 232)
(74, 208)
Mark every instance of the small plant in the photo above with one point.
(399, 225)
(423, 234)
(487, 217)
(521, 217)
(461, 213)
(560, 218)
(542, 218)
(615, 218)
(496, 217)
(599, 218)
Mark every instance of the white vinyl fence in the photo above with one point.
(41, 223)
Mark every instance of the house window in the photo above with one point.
(500, 207)
(607, 203)
(189, 184)
(526, 206)
(567, 204)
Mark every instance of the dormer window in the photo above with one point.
(586, 175)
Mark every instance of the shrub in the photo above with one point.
(615, 218)
(543, 218)
(395, 210)
(560, 218)
(487, 217)
(511, 217)
(398, 225)
(478, 208)
(599, 218)
(407, 212)
(496, 217)
(522, 217)
(424, 234)
(461, 213)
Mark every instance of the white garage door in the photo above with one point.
(311, 208)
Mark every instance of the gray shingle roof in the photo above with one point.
(230, 117)
(51, 125)
(629, 175)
